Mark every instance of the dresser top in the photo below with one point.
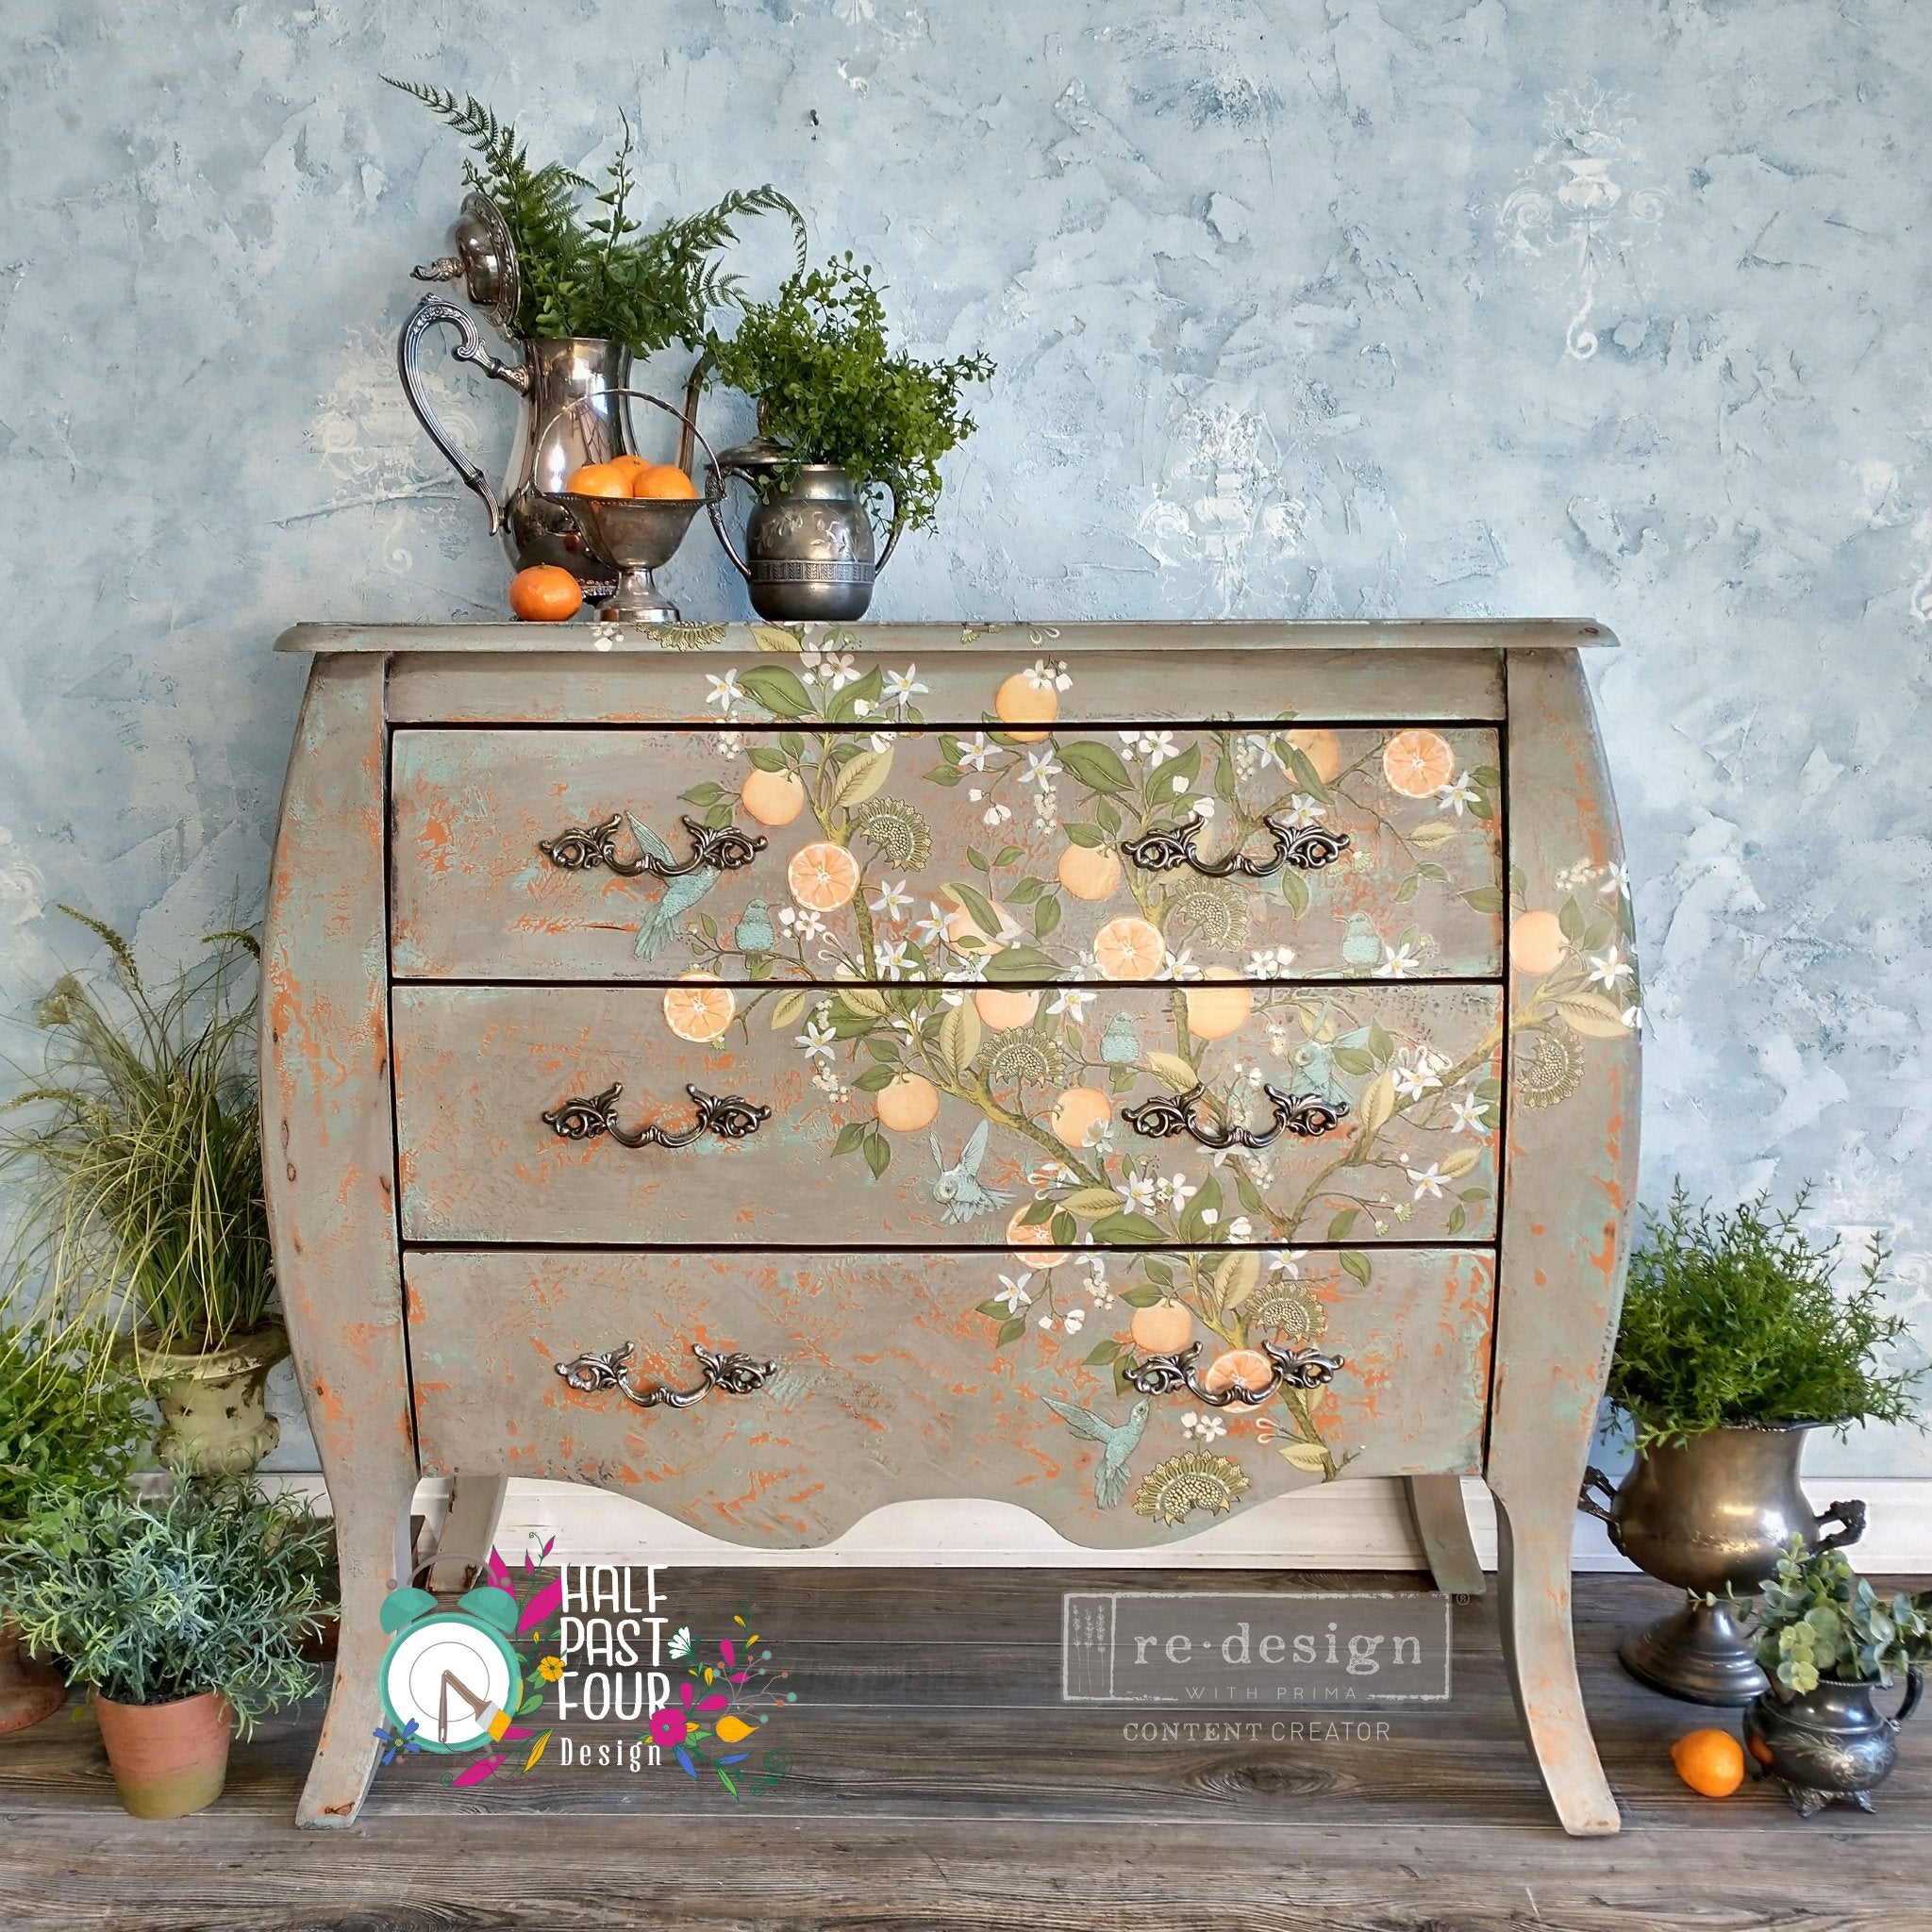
(735, 639)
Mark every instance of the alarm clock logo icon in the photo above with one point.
(451, 1675)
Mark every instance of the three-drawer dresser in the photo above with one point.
(1127, 1071)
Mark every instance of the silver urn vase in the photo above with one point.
(810, 556)
(1827, 1746)
(1711, 1515)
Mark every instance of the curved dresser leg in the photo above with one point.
(373, 1550)
(329, 1173)
(474, 1504)
(1539, 1653)
(1441, 1522)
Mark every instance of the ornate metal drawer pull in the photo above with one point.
(1307, 848)
(584, 848)
(1305, 1115)
(1294, 1368)
(729, 1116)
(730, 1375)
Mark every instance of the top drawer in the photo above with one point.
(1343, 852)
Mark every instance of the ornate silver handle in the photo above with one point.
(1292, 1368)
(729, 1373)
(583, 848)
(1849, 1518)
(1306, 848)
(1593, 1478)
(427, 314)
(729, 1116)
(1308, 1116)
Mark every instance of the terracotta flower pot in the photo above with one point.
(214, 1407)
(168, 1759)
(28, 1691)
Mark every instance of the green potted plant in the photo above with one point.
(1735, 1343)
(1827, 1639)
(185, 1617)
(66, 1423)
(849, 428)
(136, 1156)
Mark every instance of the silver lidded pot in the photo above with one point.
(809, 554)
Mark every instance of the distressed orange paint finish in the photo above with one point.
(986, 1349)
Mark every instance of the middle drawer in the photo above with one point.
(928, 1116)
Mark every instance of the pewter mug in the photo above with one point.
(1828, 1743)
(810, 556)
(1712, 1515)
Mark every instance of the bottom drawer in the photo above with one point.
(893, 1378)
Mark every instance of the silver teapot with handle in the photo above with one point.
(553, 439)
(810, 556)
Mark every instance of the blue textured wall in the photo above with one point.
(1310, 309)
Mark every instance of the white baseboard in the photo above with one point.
(1362, 1524)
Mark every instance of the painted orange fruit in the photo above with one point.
(545, 593)
(1090, 872)
(1019, 701)
(907, 1103)
(1034, 1245)
(1711, 1762)
(823, 876)
(663, 481)
(1162, 1328)
(1215, 1012)
(1129, 948)
(1537, 944)
(1418, 763)
(597, 479)
(772, 798)
(1077, 1113)
(1321, 749)
(1003, 1007)
(1247, 1368)
(698, 1008)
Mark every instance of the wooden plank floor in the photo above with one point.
(940, 1783)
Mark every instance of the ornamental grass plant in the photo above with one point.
(1735, 1320)
(133, 1154)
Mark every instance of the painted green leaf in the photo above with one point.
(1102, 1352)
(1144, 1296)
(767, 758)
(1236, 1277)
(1173, 1072)
(710, 793)
(1294, 890)
(1019, 962)
(1064, 1229)
(788, 1007)
(1095, 766)
(876, 1080)
(1127, 1230)
(1092, 1203)
(979, 907)
(878, 1154)
(1355, 1263)
(1484, 898)
(850, 1136)
(958, 1040)
(863, 777)
(866, 1001)
(778, 690)
(1338, 1228)
(1010, 1332)
(1089, 836)
(1046, 915)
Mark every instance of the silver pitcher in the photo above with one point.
(1826, 1745)
(552, 439)
(1712, 1515)
(810, 556)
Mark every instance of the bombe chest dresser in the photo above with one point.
(1127, 1071)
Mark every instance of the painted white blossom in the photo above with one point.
(1152, 746)
(1041, 766)
(1287, 1262)
(893, 902)
(725, 691)
(1427, 1181)
(1210, 1217)
(1050, 674)
(1616, 883)
(1633, 1018)
(1240, 1228)
(837, 667)
(1178, 1189)
(901, 687)
(818, 1040)
(1457, 795)
(1608, 970)
(894, 962)
(1203, 1428)
(975, 751)
(1468, 1114)
(1398, 962)
(1070, 1001)
(880, 740)
(1411, 1083)
(1143, 1194)
(996, 814)
(728, 744)
(931, 930)
(1013, 1295)
(1302, 810)
(1074, 1321)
